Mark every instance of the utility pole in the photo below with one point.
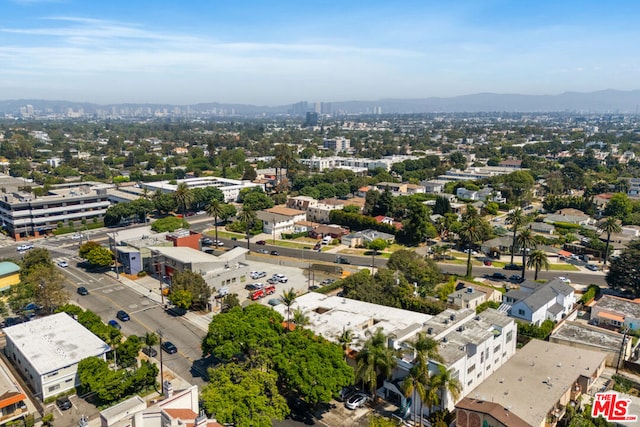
(115, 249)
(622, 348)
(159, 332)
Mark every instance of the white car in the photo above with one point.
(565, 280)
(258, 274)
(76, 236)
(280, 278)
(63, 264)
(24, 248)
(356, 400)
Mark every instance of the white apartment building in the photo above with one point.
(278, 220)
(230, 187)
(337, 144)
(473, 174)
(316, 210)
(23, 215)
(46, 352)
(472, 346)
(353, 163)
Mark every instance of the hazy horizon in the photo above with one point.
(275, 54)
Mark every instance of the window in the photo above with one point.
(520, 312)
(482, 357)
(54, 387)
(509, 336)
(496, 349)
(471, 368)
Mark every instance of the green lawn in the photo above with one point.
(563, 267)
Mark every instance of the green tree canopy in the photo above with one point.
(194, 284)
(169, 223)
(624, 271)
(100, 257)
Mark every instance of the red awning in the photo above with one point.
(565, 253)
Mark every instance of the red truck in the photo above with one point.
(261, 293)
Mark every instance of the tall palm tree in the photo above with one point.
(288, 298)
(249, 217)
(609, 226)
(216, 210)
(517, 219)
(299, 318)
(183, 197)
(426, 348)
(526, 241)
(470, 233)
(445, 384)
(345, 339)
(375, 358)
(538, 260)
(416, 383)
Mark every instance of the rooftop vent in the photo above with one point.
(452, 317)
(429, 331)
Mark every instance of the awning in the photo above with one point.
(611, 316)
(565, 253)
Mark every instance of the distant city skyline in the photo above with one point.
(276, 53)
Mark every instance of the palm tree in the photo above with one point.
(216, 210)
(444, 382)
(299, 318)
(609, 226)
(538, 260)
(470, 233)
(375, 358)
(248, 217)
(517, 219)
(416, 383)
(150, 339)
(345, 339)
(183, 197)
(525, 241)
(288, 298)
(426, 348)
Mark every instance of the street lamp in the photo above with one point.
(160, 336)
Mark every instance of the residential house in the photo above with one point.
(381, 219)
(179, 408)
(433, 186)
(279, 220)
(534, 302)
(46, 351)
(13, 400)
(361, 238)
(471, 295)
(616, 312)
(399, 189)
(335, 231)
(545, 372)
(502, 244)
(542, 228)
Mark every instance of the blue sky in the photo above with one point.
(280, 51)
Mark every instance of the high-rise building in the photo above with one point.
(299, 109)
(325, 108)
(337, 144)
(311, 120)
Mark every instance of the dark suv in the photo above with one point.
(63, 403)
(169, 347)
(122, 315)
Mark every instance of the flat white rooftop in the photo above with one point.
(330, 315)
(55, 341)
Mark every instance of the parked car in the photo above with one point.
(327, 282)
(565, 280)
(346, 393)
(258, 274)
(592, 267)
(218, 243)
(63, 264)
(356, 400)
(24, 248)
(515, 278)
(512, 267)
(274, 301)
(63, 403)
(254, 286)
(122, 315)
(280, 278)
(169, 347)
(341, 260)
(82, 291)
(272, 281)
(261, 242)
(487, 262)
(207, 241)
(263, 251)
(275, 253)
(150, 351)
(114, 324)
(498, 276)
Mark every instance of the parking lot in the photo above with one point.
(71, 417)
(297, 278)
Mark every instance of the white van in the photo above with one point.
(326, 240)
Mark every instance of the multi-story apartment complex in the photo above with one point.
(316, 210)
(229, 187)
(353, 163)
(337, 144)
(24, 215)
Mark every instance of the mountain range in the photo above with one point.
(604, 101)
